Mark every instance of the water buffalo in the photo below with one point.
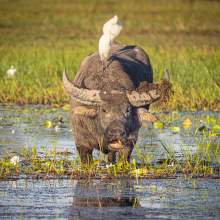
(106, 110)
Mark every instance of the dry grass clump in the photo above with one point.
(163, 88)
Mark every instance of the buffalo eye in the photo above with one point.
(128, 110)
(103, 110)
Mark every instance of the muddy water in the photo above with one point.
(112, 199)
(109, 199)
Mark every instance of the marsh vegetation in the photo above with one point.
(42, 38)
(174, 170)
(180, 144)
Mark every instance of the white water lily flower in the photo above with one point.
(15, 160)
(57, 128)
(110, 165)
(170, 166)
(13, 131)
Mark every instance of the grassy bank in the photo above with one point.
(41, 38)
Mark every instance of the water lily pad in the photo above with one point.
(175, 130)
(187, 123)
(48, 124)
(66, 107)
(159, 124)
(57, 105)
(174, 112)
(216, 128)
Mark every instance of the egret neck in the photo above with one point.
(109, 32)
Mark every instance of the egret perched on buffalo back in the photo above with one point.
(104, 48)
(11, 71)
(112, 27)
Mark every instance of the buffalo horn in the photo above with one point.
(141, 99)
(84, 96)
(167, 75)
(92, 97)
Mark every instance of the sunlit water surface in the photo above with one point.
(24, 126)
(110, 199)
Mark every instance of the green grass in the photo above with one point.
(203, 163)
(41, 38)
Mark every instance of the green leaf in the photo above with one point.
(48, 124)
(216, 128)
(66, 107)
(210, 120)
(174, 112)
(187, 123)
(159, 124)
(176, 129)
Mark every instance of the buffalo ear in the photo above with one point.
(145, 115)
(82, 110)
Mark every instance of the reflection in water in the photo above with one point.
(105, 199)
(106, 195)
(110, 199)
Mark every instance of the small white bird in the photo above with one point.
(112, 27)
(12, 71)
(104, 48)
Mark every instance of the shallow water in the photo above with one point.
(24, 126)
(106, 199)
(110, 199)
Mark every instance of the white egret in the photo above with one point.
(104, 48)
(112, 27)
(12, 71)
